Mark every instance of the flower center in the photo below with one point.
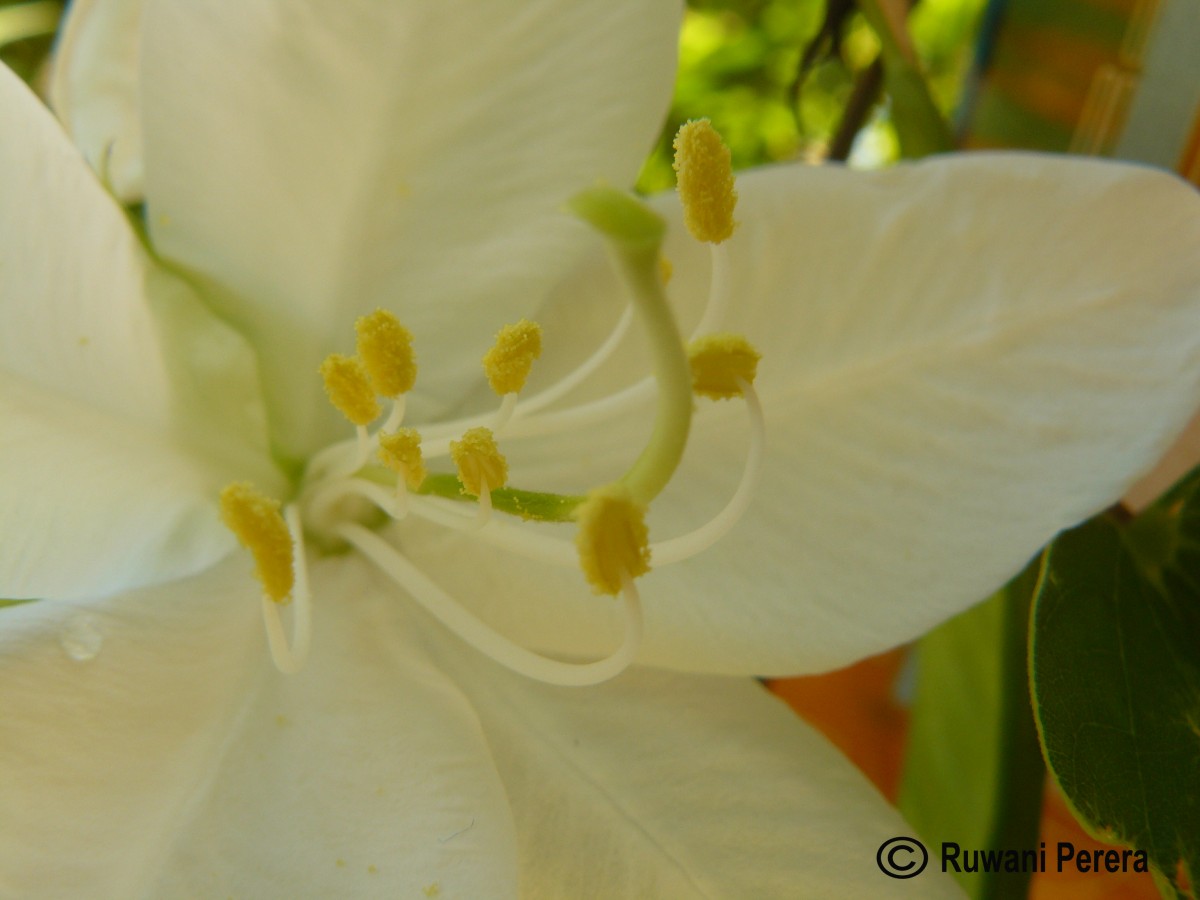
(352, 487)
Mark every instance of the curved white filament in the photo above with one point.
(504, 413)
(688, 545)
(395, 417)
(718, 291)
(436, 441)
(485, 639)
(569, 382)
(347, 457)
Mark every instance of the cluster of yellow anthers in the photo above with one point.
(348, 485)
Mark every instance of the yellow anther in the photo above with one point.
(718, 361)
(665, 269)
(508, 363)
(612, 539)
(401, 452)
(256, 521)
(348, 388)
(478, 459)
(705, 176)
(385, 348)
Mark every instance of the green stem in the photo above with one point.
(652, 470)
(635, 234)
(540, 506)
(1021, 775)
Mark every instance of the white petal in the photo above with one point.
(94, 89)
(667, 785)
(178, 763)
(91, 504)
(960, 359)
(125, 403)
(320, 163)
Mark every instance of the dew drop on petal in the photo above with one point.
(81, 638)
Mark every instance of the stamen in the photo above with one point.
(720, 363)
(508, 363)
(481, 465)
(401, 452)
(483, 637)
(612, 538)
(688, 545)
(568, 383)
(255, 519)
(437, 440)
(385, 347)
(706, 184)
(349, 390)
(290, 659)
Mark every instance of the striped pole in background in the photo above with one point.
(1100, 77)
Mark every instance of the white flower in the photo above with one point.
(960, 358)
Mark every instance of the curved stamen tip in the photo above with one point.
(385, 348)
(720, 363)
(481, 465)
(290, 658)
(401, 452)
(256, 521)
(613, 541)
(349, 389)
(508, 363)
(704, 169)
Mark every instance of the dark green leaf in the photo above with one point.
(1115, 663)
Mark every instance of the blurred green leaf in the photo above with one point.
(27, 34)
(1116, 676)
(739, 64)
(973, 772)
(919, 124)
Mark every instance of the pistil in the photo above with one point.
(346, 495)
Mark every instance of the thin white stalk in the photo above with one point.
(500, 533)
(482, 636)
(504, 413)
(717, 303)
(581, 373)
(694, 542)
(395, 418)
